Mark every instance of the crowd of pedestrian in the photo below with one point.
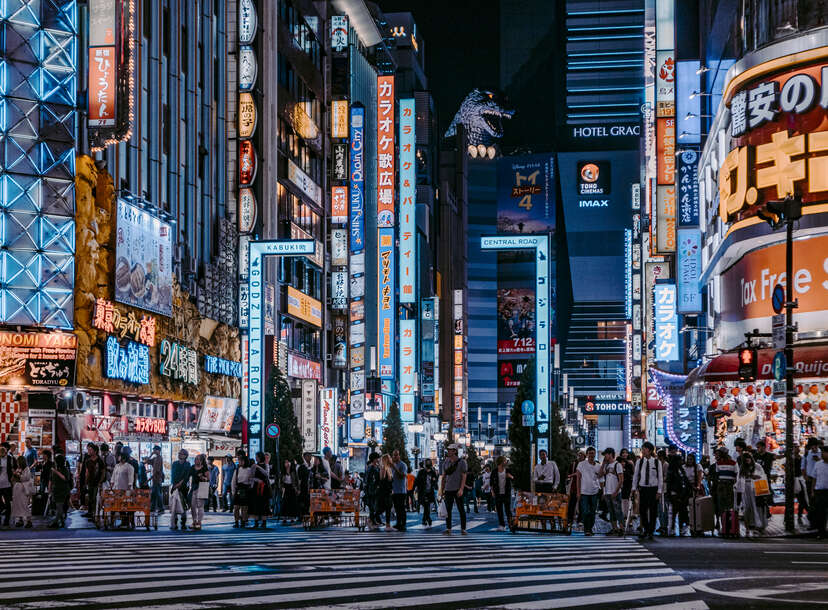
(653, 492)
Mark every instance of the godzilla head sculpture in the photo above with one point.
(482, 114)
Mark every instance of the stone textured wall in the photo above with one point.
(95, 248)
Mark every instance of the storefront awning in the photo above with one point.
(809, 361)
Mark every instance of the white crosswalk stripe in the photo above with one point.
(289, 568)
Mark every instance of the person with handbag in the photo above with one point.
(200, 485)
(452, 486)
(426, 485)
(259, 505)
(753, 485)
(22, 493)
(242, 480)
(180, 474)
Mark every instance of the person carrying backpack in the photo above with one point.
(648, 482)
(426, 484)
(679, 490)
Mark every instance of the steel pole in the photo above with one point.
(789, 381)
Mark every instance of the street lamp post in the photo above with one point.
(776, 214)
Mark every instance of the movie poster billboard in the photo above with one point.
(526, 194)
(515, 321)
(143, 254)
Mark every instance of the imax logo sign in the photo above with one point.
(593, 203)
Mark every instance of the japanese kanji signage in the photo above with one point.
(666, 323)
(688, 188)
(688, 271)
(102, 92)
(179, 362)
(339, 204)
(130, 362)
(776, 150)
(339, 119)
(327, 419)
(385, 151)
(111, 319)
(37, 359)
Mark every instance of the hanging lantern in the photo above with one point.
(726, 408)
(775, 408)
(806, 407)
(814, 389)
(799, 389)
(714, 404)
(722, 392)
(735, 391)
(768, 390)
(750, 390)
(822, 405)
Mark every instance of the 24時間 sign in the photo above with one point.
(385, 151)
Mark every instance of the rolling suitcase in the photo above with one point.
(701, 515)
(730, 524)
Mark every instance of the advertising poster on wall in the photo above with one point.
(217, 414)
(143, 254)
(516, 321)
(37, 359)
(526, 194)
(510, 372)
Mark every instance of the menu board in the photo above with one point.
(217, 414)
(143, 252)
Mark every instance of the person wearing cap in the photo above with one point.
(648, 482)
(156, 462)
(613, 474)
(451, 486)
(547, 476)
(587, 474)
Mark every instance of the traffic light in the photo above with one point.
(747, 364)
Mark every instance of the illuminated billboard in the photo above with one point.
(666, 323)
(357, 183)
(408, 203)
(385, 151)
(386, 306)
(516, 321)
(526, 187)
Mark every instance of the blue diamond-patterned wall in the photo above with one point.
(38, 125)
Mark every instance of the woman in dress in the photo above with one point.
(242, 479)
(754, 506)
(22, 492)
(200, 486)
(289, 481)
(259, 507)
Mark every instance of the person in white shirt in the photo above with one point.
(613, 474)
(819, 472)
(587, 474)
(648, 482)
(547, 475)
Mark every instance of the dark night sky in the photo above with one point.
(461, 46)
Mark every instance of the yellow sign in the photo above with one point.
(304, 307)
(339, 119)
(780, 166)
(247, 116)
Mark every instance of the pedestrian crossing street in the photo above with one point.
(342, 569)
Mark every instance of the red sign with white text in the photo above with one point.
(101, 92)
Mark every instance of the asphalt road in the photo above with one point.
(755, 573)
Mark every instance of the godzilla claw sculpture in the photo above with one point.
(482, 114)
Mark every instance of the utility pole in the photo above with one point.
(776, 214)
